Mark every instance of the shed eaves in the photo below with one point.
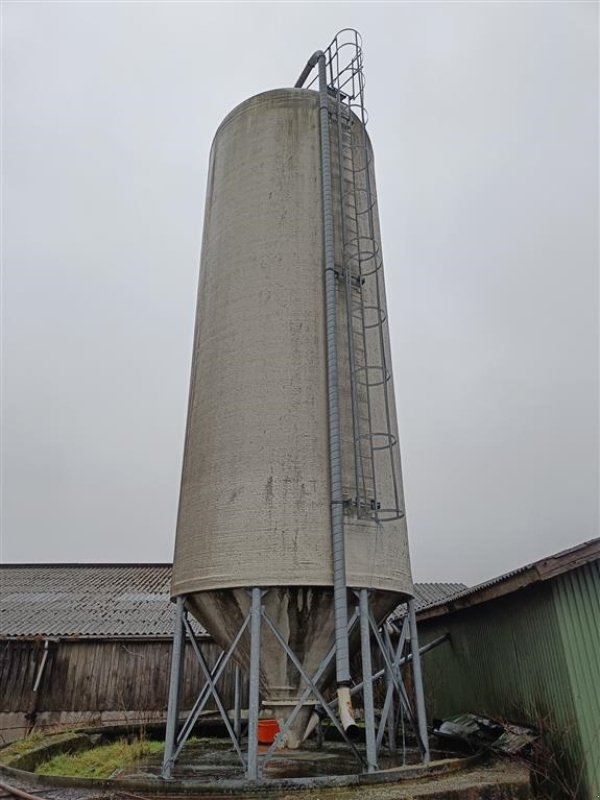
(427, 594)
(542, 570)
(107, 600)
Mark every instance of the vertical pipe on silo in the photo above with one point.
(335, 459)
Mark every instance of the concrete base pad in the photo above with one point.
(209, 767)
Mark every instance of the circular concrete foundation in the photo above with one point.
(209, 766)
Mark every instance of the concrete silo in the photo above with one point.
(291, 476)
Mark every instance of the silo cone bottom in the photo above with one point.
(304, 617)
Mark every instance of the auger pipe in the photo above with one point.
(310, 65)
(404, 660)
(342, 657)
(340, 600)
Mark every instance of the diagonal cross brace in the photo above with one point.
(198, 705)
(389, 695)
(204, 695)
(308, 691)
(397, 683)
(213, 689)
(307, 679)
(394, 672)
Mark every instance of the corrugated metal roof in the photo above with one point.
(80, 600)
(106, 600)
(427, 594)
(544, 569)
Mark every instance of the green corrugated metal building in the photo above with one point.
(526, 647)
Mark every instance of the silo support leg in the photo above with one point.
(367, 675)
(418, 680)
(254, 687)
(174, 684)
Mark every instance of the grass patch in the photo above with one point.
(22, 746)
(102, 761)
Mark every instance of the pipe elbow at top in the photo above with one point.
(310, 65)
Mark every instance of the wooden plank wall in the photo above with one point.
(100, 675)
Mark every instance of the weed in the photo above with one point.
(100, 762)
(22, 746)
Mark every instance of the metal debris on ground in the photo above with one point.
(474, 733)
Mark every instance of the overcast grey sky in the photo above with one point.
(484, 119)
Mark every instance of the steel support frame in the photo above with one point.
(175, 740)
(396, 707)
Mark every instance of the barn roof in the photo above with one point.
(537, 572)
(107, 600)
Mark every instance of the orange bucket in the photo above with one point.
(267, 731)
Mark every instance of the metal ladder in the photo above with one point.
(364, 292)
(365, 497)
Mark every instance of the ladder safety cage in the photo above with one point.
(375, 444)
